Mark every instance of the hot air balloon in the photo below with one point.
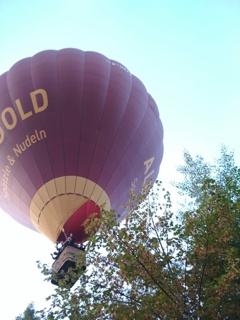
(77, 130)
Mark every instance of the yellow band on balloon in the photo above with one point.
(55, 202)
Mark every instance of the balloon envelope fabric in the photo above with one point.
(77, 130)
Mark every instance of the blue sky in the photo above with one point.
(186, 52)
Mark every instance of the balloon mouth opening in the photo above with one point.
(75, 224)
(64, 203)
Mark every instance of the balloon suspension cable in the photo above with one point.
(64, 233)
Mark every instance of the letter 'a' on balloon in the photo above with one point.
(77, 131)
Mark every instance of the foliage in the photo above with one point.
(29, 314)
(196, 170)
(161, 265)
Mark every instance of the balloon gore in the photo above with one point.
(77, 131)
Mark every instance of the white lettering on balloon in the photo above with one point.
(18, 150)
(148, 173)
(9, 118)
(29, 141)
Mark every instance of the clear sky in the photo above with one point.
(186, 52)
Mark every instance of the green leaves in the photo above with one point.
(159, 264)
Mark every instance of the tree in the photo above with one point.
(29, 314)
(196, 170)
(163, 265)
